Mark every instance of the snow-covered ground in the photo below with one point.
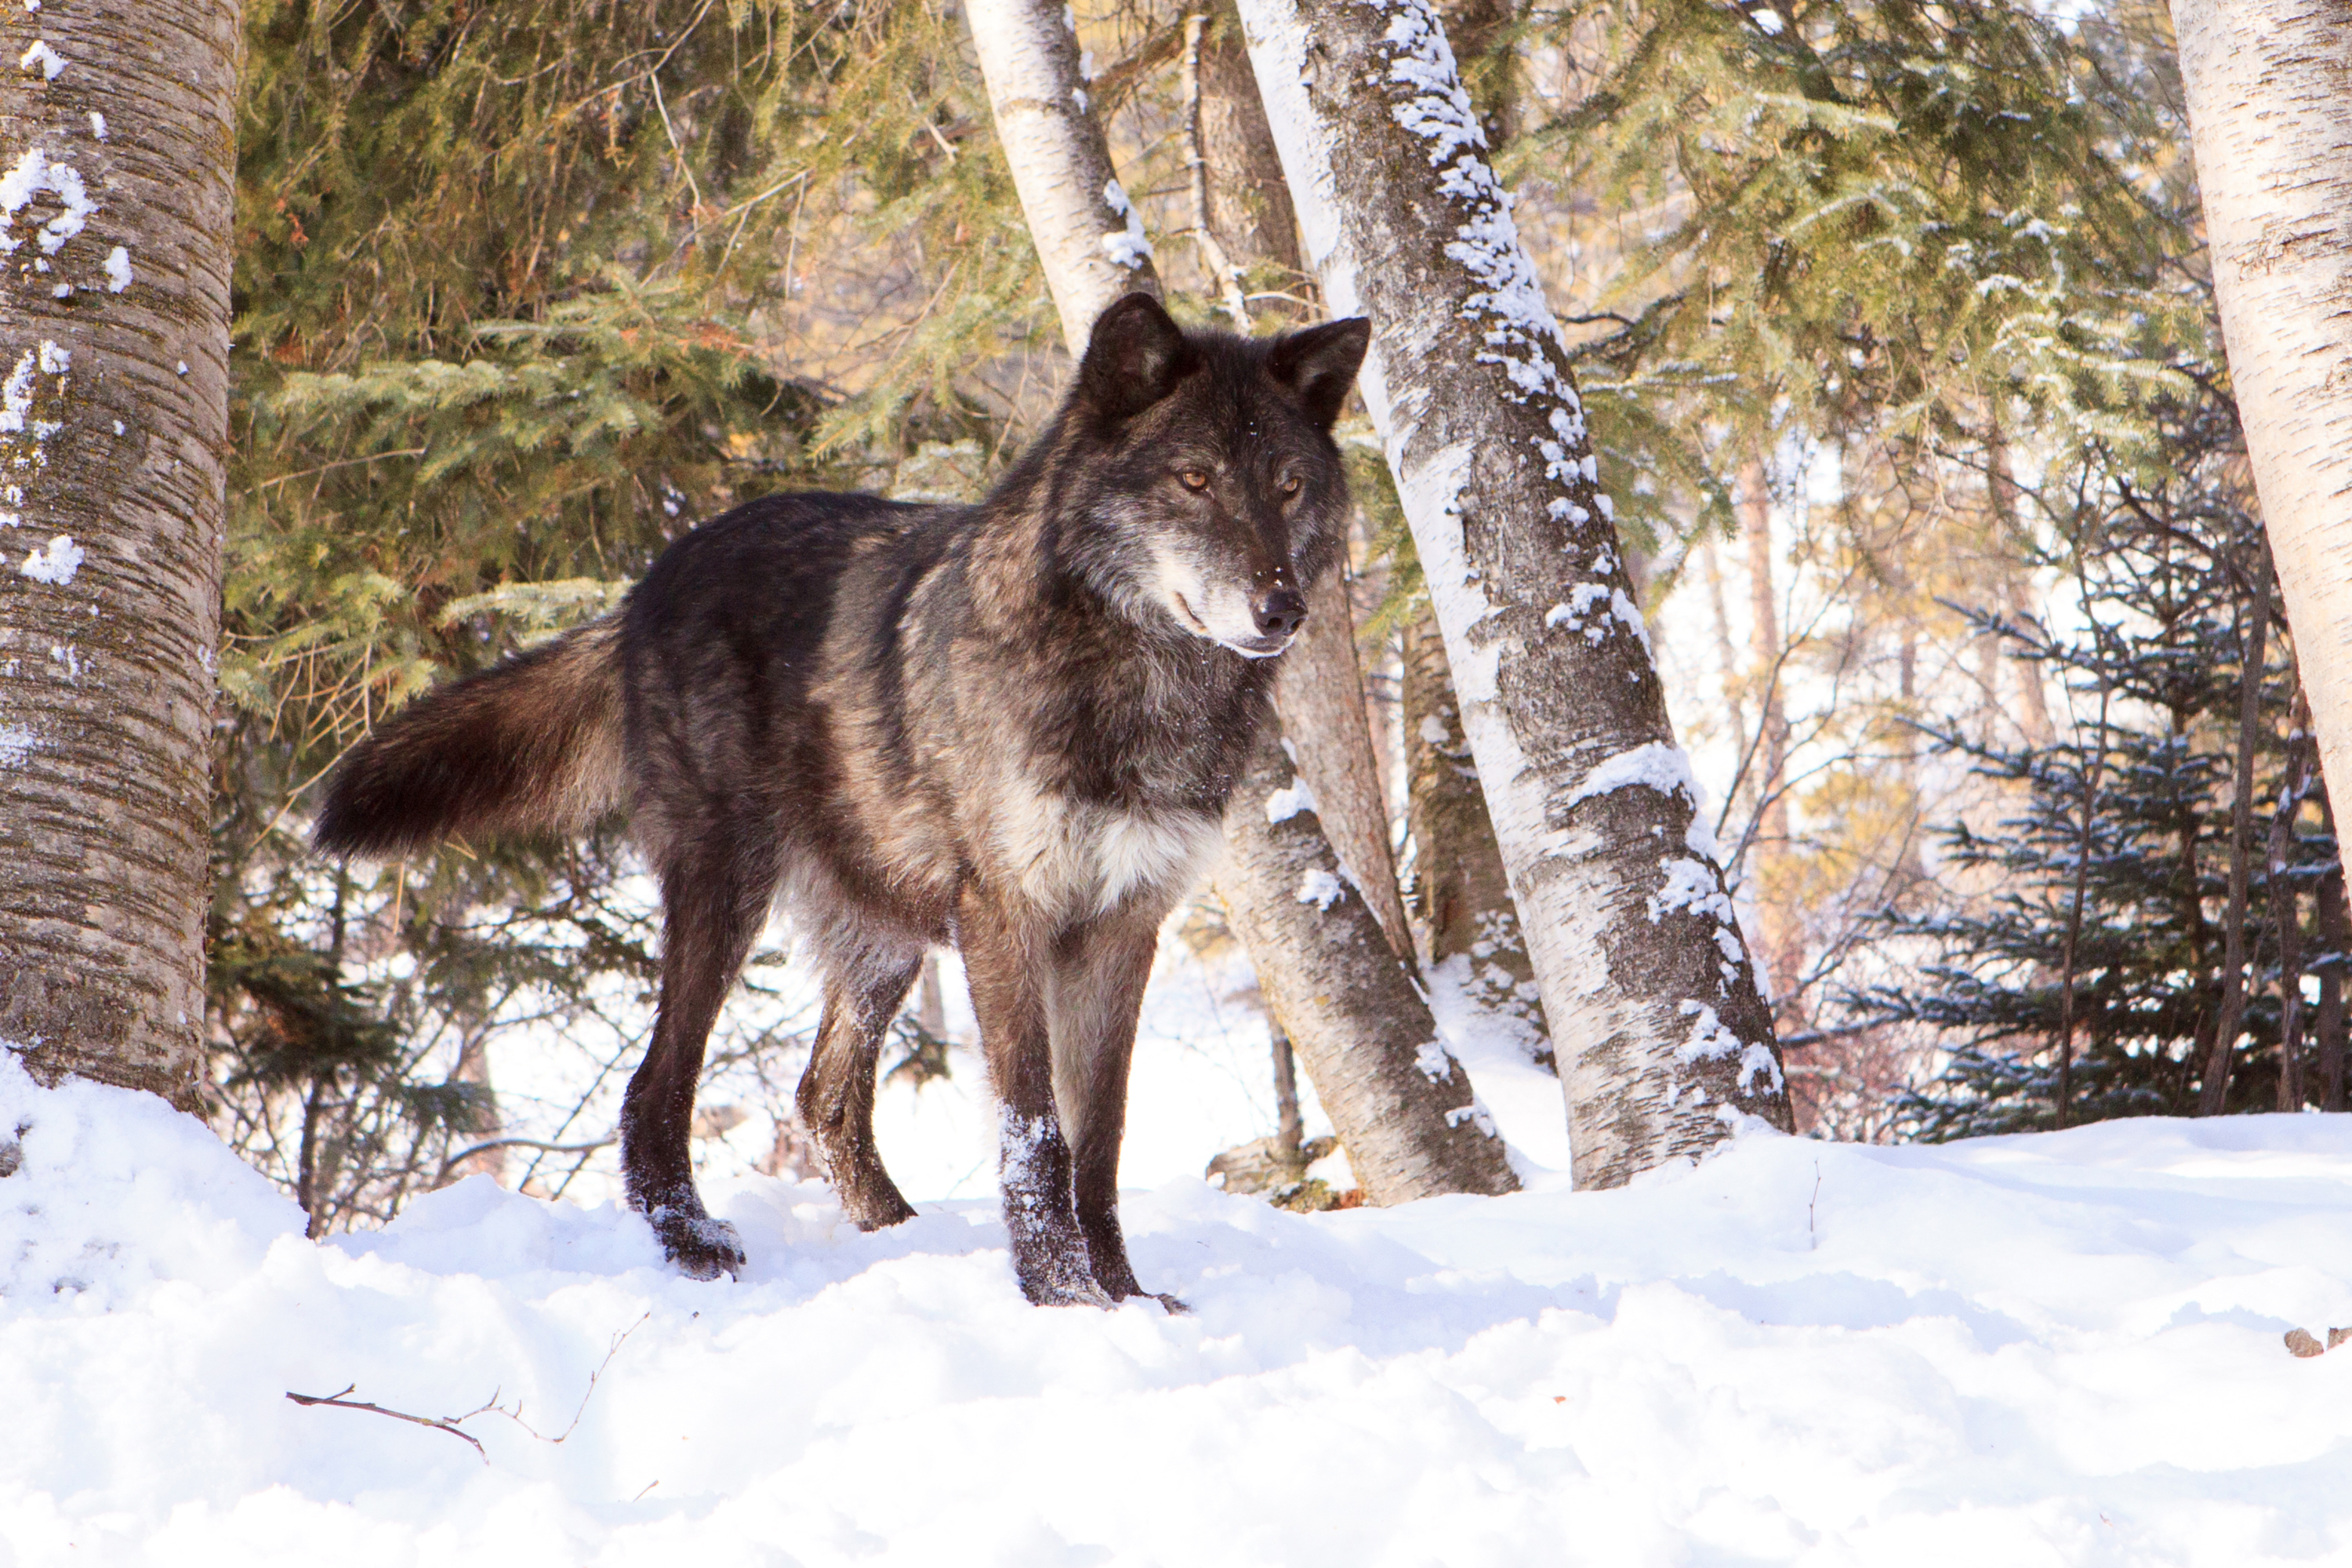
(2062, 1349)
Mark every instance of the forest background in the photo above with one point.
(1895, 328)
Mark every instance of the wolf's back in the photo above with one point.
(532, 747)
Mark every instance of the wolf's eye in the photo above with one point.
(1290, 483)
(1194, 479)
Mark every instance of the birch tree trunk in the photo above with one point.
(2269, 85)
(1665, 1044)
(1398, 1101)
(115, 200)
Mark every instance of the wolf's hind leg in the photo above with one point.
(836, 1092)
(1094, 993)
(1005, 964)
(714, 906)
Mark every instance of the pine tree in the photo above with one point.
(2094, 977)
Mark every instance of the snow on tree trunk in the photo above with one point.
(1665, 1044)
(1400, 1102)
(1368, 1042)
(2269, 85)
(115, 205)
(1088, 235)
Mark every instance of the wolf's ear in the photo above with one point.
(1319, 364)
(1135, 357)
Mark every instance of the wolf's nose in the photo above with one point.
(1279, 612)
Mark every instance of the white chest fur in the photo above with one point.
(1075, 858)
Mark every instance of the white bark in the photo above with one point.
(116, 143)
(1665, 1044)
(1089, 237)
(2269, 85)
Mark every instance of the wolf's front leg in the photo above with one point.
(1004, 966)
(1094, 993)
(713, 907)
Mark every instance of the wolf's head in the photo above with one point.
(1199, 470)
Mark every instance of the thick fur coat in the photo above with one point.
(1010, 728)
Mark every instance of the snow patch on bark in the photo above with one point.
(1284, 804)
(31, 174)
(1711, 1039)
(17, 743)
(1127, 247)
(55, 565)
(1320, 888)
(118, 270)
(42, 58)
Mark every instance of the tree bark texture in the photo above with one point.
(1458, 879)
(1090, 239)
(2269, 85)
(115, 200)
(1664, 1040)
(1249, 206)
(1400, 1102)
(1363, 1046)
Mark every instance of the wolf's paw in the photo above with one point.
(700, 1247)
(1058, 1277)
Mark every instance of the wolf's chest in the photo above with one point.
(1076, 857)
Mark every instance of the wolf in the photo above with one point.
(1010, 728)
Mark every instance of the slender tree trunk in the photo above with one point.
(2287, 905)
(1405, 1112)
(474, 1069)
(2336, 936)
(115, 143)
(1335, 985)
(2269, 86)
(1781, 935)
(1249, 206)
(1665, 1044)
(2231, 1014)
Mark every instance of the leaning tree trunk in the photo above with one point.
(2269, 84)
(116, 142)
(1665, 1044)
(1402, 1105)
(1359, 1039)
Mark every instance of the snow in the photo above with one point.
(2056, 1349)
(1128, 246)
(118, 270)
(32, 173)
(42, 58)
(17, 743)
(97, 124)
(1284, 804)
(55, 565)
(1320, 888)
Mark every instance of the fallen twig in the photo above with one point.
(438, 1422)
(450, 1424)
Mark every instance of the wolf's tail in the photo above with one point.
(532, 747)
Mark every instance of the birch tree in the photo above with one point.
(2269, 84)
(1664, 1043)
(115, 139)
(1400, 1103)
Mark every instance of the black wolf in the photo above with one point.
(1009, 727)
